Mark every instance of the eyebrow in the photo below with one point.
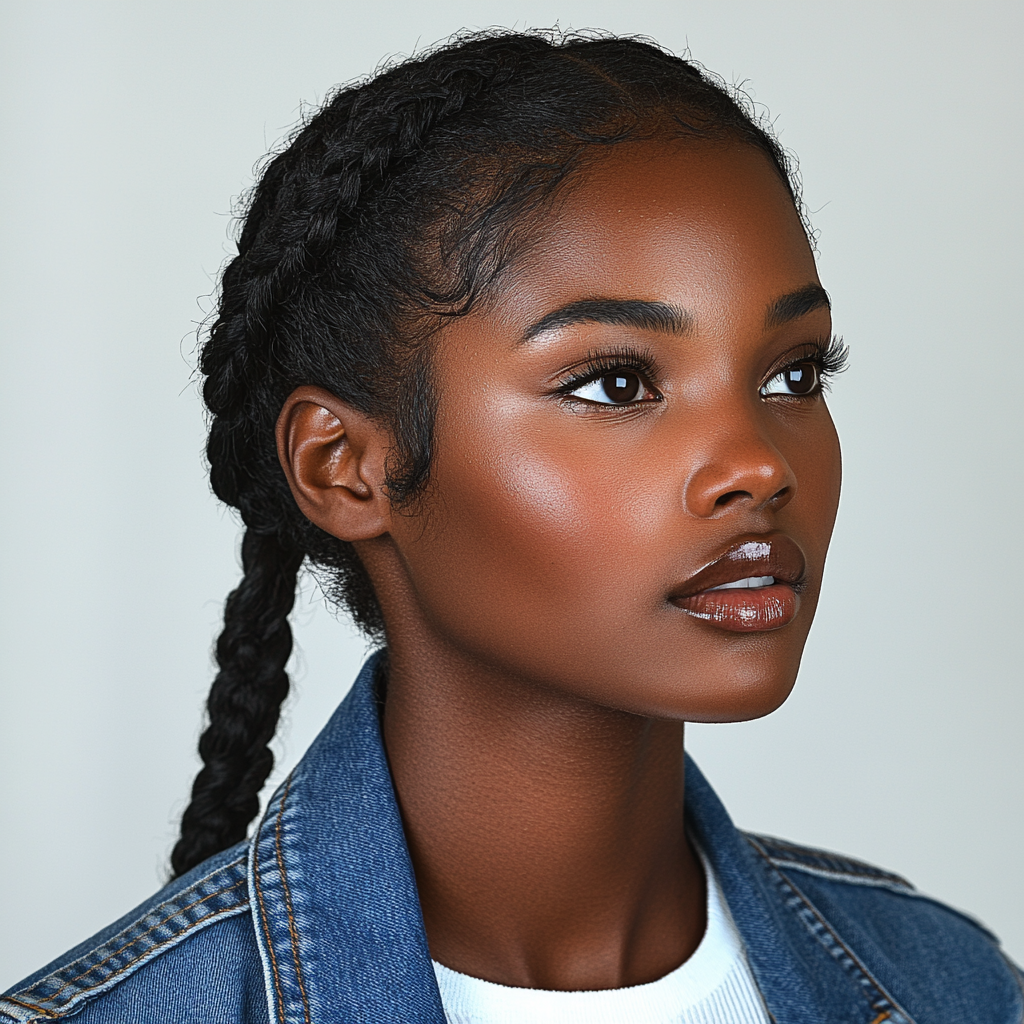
(641, 313)
(795, 305)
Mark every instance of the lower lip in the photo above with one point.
(743, 610)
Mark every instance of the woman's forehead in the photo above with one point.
(700, 228)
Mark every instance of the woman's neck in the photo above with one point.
(546, 833)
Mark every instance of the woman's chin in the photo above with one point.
(689, 696)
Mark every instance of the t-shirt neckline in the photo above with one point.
(466, 998)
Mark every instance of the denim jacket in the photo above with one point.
(316, 919)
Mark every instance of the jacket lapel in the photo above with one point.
(804, 971)
(332, 888)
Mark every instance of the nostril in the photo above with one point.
(782, 494)
(725, 499)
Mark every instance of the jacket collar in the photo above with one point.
(331, 885)
(338, 919)
(805, 971)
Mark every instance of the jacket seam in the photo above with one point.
(850, 869)
(874, 882)
(884, 999)
(49, 1014)
(38, 996)
(883, 995)
(906, 889)
(113, 976)
(266, 927)
(292, 930)
(142, 935)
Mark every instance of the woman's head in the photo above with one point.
(420, 260)
(396, 208)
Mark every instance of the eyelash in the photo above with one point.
(598, 364)
(831, 355)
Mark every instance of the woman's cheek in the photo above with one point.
(819, 478)
(536, 536)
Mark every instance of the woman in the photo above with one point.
(524, 349)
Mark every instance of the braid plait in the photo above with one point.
(244, 703)
(392, 209)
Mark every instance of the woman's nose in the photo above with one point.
(740, 471)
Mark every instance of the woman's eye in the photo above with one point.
(802, 378)
(620, 387)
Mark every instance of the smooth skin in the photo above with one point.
(540, 670)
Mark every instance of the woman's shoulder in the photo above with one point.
(190, 953)
(195, 940)
(876, 922)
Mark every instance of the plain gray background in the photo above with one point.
(128, 128)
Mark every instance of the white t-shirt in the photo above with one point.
(714, 986)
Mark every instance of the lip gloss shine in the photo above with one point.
(751, 587)
(745, 610)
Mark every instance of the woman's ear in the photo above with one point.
(334, 458)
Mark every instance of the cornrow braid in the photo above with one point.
(244, 702)
(393, 208)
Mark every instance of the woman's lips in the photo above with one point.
(744, 611)
(753, 586)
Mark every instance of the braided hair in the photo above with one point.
(396, 206)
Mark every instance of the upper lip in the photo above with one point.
(766, 554)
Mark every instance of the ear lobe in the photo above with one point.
(334, 459)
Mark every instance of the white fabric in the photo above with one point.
(714, 986)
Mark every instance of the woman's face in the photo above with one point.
(632, 422)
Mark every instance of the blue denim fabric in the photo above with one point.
(317, 920)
